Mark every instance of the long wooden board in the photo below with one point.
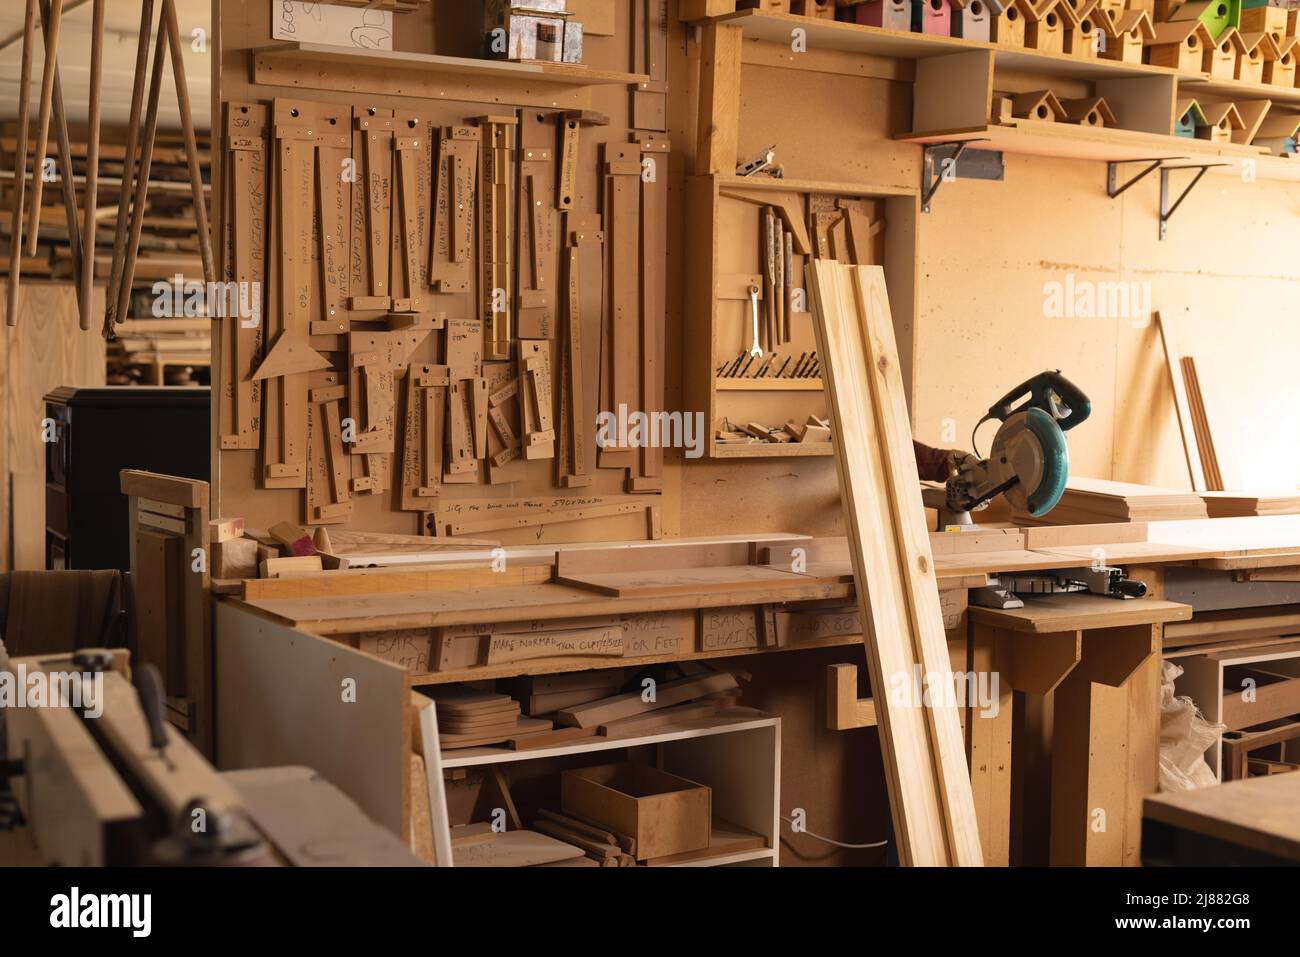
(925, 764)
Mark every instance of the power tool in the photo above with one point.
(1028, 462)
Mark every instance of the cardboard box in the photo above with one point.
(664, 813)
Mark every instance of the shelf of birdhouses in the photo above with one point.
(877, 41)
(1008, 63)
(728, 221)
(318, 66)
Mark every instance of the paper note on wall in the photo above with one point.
(338, 26)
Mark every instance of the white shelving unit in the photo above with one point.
(736, 753)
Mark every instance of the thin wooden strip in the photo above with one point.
(86, 277)
(1181, 406)
(20, 166)
(1209, 456)
(52, 30)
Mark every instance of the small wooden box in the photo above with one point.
(664, 813)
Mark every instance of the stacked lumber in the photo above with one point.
(469, 717)
(541, 696)
(170, 242)
(160, 352)
(699, 693)
(1239, 504)
(1090, 501)
(606, 848)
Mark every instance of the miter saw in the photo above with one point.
(1028, 461)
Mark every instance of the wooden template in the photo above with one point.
(496, 232)
(584, 277)
(925, 764)
(536, 399)
(413, 170)
(290, 357)
(622, 360)
(243, 262)
(537, 255)
(654, 284)
(329, 473)
(451, 251)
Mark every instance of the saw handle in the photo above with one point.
(1039, 390)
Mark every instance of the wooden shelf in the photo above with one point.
(730, 720)
(1197, 86)
(545, 666)
(1068, 141)
(768, 385)
(771, 450)
(875, 41)
(345, 69)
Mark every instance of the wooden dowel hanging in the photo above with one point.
(43, 122)
(87, 277)
(20, 165)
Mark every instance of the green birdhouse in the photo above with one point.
(1217, 15)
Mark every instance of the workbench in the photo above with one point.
(1086, 668)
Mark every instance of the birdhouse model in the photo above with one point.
(817, 9)
(933, 17)
(973, 19)
(1277, 133)
(1038, 105)
(890, 14)
(1188, 117)
(1282, 70)
(1220, 58)
(1270, 20)
(1180, 45)
(1222, 120)
(1008, 27)
(1113, 8)
(1217, 15)
(1126, 36)
(1091, 111)
(1084, 35)
(1256, 48)
(1045, 29)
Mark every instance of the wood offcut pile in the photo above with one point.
(160, 352)
(543, 711)
(1240, 504)
(169, 243)
(1089, 501)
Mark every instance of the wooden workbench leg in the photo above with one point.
(1143, 726)
(1092, 747)
(988, 741)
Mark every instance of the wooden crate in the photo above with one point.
(666, 814)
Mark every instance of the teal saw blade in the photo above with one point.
(1056, 462)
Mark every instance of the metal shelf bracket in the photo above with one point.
(1167, 209)
(944, 161)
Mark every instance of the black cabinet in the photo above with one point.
(95, 434)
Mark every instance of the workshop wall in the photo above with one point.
(1226, 275)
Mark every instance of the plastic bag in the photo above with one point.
(1184, 737)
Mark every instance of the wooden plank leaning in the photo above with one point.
(925, 764)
